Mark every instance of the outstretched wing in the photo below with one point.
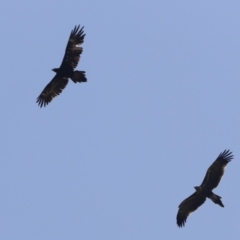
(53, 89)
(216, 170)
(73, 51)
(188, 206)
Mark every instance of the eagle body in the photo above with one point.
(204, 191)
(66, 69)
(65, 72)
(209, 194)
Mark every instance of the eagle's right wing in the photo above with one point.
(188, 206)
(53, 89)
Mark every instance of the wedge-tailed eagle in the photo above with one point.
(66, 70)
(211, 181)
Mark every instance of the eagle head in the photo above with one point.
(55, 70)
(198, 188)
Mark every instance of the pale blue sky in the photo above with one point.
(111, 159)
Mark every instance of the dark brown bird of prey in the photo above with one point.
(211, 181)
(66, 70)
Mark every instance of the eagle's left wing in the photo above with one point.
(73, 51)
(216, 170)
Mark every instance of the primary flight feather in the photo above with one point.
(210, 181)
(66, 70)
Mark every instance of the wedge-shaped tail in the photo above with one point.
(216, 199)
(79, 76)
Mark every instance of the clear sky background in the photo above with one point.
(111, 159)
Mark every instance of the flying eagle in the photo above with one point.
(211, 181)
(66, 70)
